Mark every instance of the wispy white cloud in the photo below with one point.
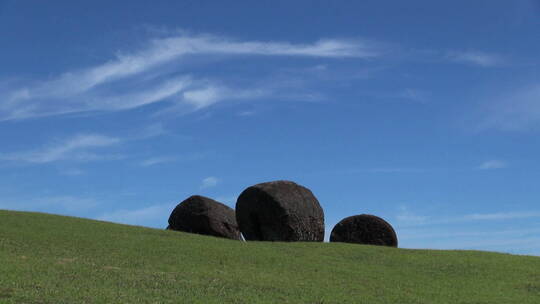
(519, 240)
(514, 245)
(151, 216)
(406, 218)
(394, 170)
(501, 216)
(246, 113)
(481, 231)
(202, 97)
(61, 203)
(167, 89)
(461, 233)
(209, 182)
(157, 160)
(87, 89)
(150, 131)
(477, 58)
(517, 110)
(77, 148)
(416, 95)
(493, 164)
(333, 48)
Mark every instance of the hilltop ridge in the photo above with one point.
(56, 259)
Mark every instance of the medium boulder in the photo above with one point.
(364, 229)
(202, 215)
(279, 211)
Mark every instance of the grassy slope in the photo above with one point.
(55, 259)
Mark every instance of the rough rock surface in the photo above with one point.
(364, 229)
(279, 211)
(202, 215)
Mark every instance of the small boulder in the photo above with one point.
(364, 229)
(203, 215)
(279, 211)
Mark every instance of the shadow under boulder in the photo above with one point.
(203, 215)
(279, 211)
(364, 229)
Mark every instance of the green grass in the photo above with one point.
(55, 259)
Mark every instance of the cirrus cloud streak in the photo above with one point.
(116, 84)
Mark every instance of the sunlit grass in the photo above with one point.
(54, 259)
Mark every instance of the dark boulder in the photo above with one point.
(279, 211)
(202, 215)
(364, 229)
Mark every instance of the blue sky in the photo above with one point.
(424, 113)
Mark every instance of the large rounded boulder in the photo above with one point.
(203, 215)
(364, 229)
(279, 211)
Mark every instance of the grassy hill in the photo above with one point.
(55, 259)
